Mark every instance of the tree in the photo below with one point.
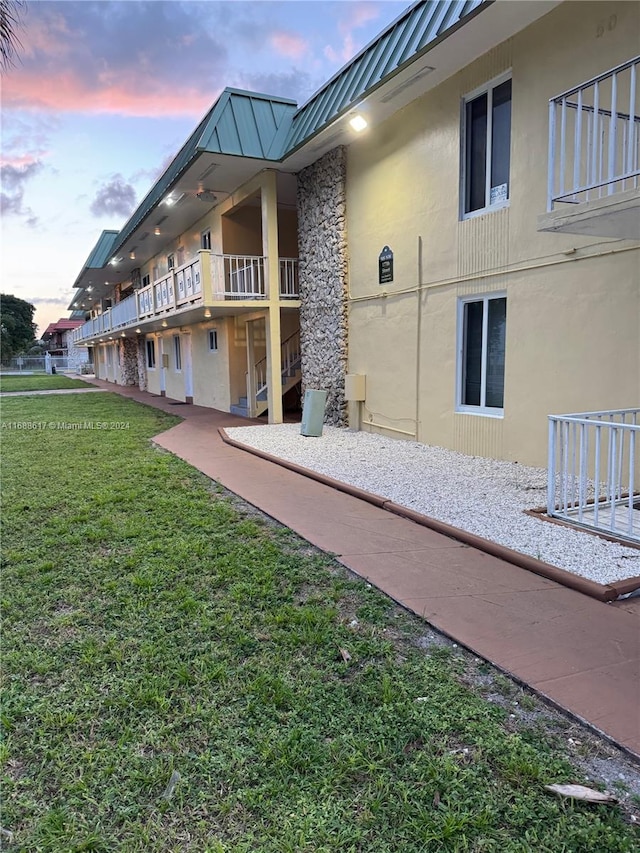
(17, 329)
(10, 23)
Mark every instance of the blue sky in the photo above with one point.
(106, 92)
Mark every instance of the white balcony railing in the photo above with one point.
(594, 471)
(289, 287)
(238, 277)
(124, 313)
(233, 277)
(594, 138)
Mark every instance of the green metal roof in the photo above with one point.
(101, 252)
(252, 125)
(245, 124)
(409, 35)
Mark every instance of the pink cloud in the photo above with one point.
(289, 44)
(358, 14)
(22, 161)
(68, 92)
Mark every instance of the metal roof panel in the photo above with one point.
(102, 251)
(403, 40)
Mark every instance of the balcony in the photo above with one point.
(594, 157)
(207, 280)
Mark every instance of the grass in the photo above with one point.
(174, 678)
(43, 382)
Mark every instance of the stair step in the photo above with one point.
(240, 411)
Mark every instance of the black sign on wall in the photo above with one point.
(385, 266)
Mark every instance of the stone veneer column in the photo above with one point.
(129, 361)
(322, 249)
(142, 364)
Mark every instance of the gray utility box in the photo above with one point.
(313, 412)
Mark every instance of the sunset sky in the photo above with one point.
(106, 92)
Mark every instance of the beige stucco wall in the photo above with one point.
(242, 231)
(105, 368)
(287, 233)
(99, 362)
(211, 369)
(573, 318)
(189, 241)
(174, 378)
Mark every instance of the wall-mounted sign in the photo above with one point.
(385, 266)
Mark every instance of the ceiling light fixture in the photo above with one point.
(358, 123)
(138, 331)
(164, 324)
(171, 199)
(207, 313)
(156, 231)
(132, 256)
(207, 196)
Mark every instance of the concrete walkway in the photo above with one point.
(582, 654)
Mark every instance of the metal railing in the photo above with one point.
(123, 313)
(594, 137)
(594, 471)
(238, 276)
(289, 287)
(233, 276)
(257, 384)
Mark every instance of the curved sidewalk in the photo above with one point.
(581, 654)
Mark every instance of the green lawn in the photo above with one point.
(154, 626)
(41, 382)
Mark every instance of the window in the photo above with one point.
(213, 340)
(171, 262)
(151, 354)
(177, 351)
(205, 240)
(487, 148)
(146, 280)
(482, 325)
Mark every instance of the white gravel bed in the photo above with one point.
(483, 496)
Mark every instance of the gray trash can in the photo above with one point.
(313, 412)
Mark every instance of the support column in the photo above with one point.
(251, 375)
(269, 204)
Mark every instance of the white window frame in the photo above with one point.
(486, 411)
(151, 350)
(212, 337)
(177, 353)
(205, 238)
(487, 88)
(171, 262)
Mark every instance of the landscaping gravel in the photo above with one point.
(483, 496)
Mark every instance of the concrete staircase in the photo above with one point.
(291, 376)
